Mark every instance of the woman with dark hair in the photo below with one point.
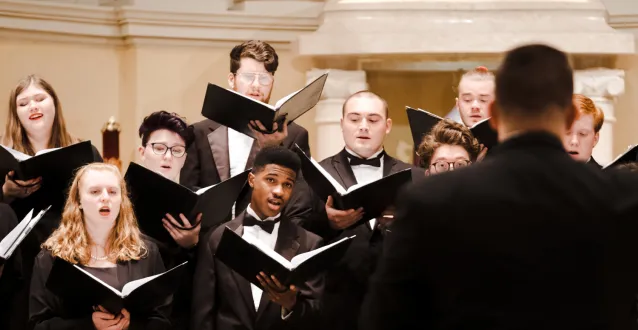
(448, 147)
(165, 139)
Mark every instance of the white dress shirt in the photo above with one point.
(366, 173)
(270, 240)
(239, 146)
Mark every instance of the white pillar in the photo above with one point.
(339, 85)
(602, 86)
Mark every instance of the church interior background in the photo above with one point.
(127, 58)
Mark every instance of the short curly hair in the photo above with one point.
(447, 132)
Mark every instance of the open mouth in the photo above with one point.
(166, 167)
(275, 204)
(105, 211)
(35, 116)
(573, 153)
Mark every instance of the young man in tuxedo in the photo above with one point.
(583, 136)
(219, 152)
(222, 299)
(365, 124)
(529, 239)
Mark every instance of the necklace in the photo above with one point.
(99, 258)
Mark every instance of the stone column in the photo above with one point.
(602, 86)
(339, 85)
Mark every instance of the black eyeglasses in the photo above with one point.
(161, 149)
(442, 166)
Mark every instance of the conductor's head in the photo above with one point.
(272, 178)
(534, 87)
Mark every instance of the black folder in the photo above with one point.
(51, 164)
(10, 242)
(629, 156)
(485, 134)
(374, 197)
(250, 258)
(235, 110)
(421, 123)
(72, 283)
(153, 196)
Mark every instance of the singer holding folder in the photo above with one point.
(165, 139)
(223, 299)
(99, 233)
(221, 152)
(35, 122)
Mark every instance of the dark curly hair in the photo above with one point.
(447, 132)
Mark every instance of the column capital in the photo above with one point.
(599, 82)
(340, 83)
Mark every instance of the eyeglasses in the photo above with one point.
(442, 166)
(264, 79)
(161, 149)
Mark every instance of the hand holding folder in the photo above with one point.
(374, 198)
(71, 282)
(237, 111)
(250, 257)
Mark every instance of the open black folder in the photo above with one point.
(249, 256)
(374, 197)
(10, 242)
(71, 282)
(55, 165)
(235, 110)
(631, 155)
(484, 133)
(153, 196)
(421, 123)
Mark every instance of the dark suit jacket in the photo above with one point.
(346, 283)
(594, 163)
(47, 311)
(526, 239)
(207, 163)
(222, 299)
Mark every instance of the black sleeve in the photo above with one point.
(45, 309)
(204, 285)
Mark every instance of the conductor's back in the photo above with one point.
(526, 239)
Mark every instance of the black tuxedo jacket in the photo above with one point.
(346, 283)
(222, 299)
(207, 163)
(526, 239)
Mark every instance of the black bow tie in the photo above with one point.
(267, 225)
(376, 161)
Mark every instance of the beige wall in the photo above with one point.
(95, 82)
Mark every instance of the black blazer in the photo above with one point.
(526, 239)
(207, 163)
(47, 311)
(346, 283)
(222, 299)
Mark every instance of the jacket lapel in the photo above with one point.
(388, 165)
(251, 156)
(287, 246)
(243, 285)
(218, 141)
(342, 165)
